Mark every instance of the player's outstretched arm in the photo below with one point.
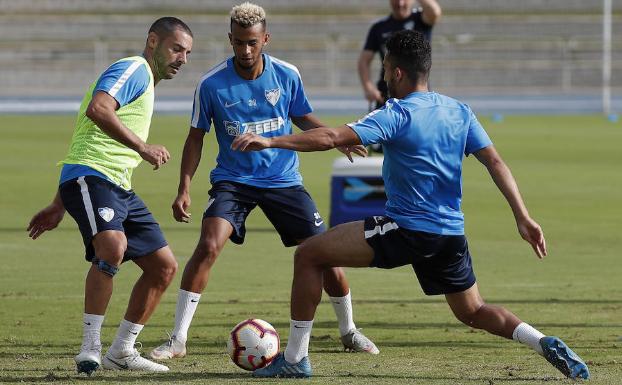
(102, 111)
(309, 122)
(529, 229)
(319, 139)
(189, 163)
(47, 219)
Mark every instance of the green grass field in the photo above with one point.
(569, 172)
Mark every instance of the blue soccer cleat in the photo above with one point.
(563, 358)
(281, 368)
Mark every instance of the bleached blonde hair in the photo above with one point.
(248, 14)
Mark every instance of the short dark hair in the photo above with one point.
(410, 51)
(165, 26)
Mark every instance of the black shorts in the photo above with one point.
(442, 262)
(291, 210)
(97, 205)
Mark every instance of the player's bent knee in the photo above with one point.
(111, 252)
(105, 267)
(304, 255)
(167, 273)
(207, 251)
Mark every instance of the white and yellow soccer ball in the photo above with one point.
(253, 344)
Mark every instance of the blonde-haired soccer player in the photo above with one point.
(250, 92)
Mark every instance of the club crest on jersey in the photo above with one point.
(106, 213)
(233, 128)
(272, 96)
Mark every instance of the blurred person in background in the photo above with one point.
(403, 16)
(108, 143)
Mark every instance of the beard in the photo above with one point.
(391, 89)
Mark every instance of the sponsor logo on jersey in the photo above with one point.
(272, 96)
(263, 126)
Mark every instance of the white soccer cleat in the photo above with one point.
(173, 348)
(131, 361)
(355, 341)
(88, 360)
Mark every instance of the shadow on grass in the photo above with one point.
(424, 301)
(50, 377)
(401, 325)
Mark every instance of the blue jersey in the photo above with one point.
(425, 137)
(125, 81)
(262, 106)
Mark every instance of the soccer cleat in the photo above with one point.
(131, 361)
(563, 358)
(88, 360)
(355, 341)
(173, 348)
(281, 368)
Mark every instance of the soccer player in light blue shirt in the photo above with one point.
(425, 137)
(251, 92)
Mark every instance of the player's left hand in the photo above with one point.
(531, 231)
(45, 220)
(358, 149)
(250, 142)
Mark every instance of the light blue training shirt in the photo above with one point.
(425, 137)
(125, 81)
(262, 106)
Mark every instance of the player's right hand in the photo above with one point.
(155, 154)
(180, 205)
(45, 220)
(531, 231)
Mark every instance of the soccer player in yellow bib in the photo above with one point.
(109, 141)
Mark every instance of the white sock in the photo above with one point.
(298, 342)
(91, 331)
(343, 310)
(126, 337)
(187, 302)
(526, 334)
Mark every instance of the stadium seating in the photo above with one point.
(480, 46)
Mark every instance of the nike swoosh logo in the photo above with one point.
(227, 104)
(122, 366)
(87, 323)
(134, 333)
(317, 224)
(300, 327)
(194, 300)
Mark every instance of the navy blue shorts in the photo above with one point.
(97, 205)
(291, 210)
(442, 262)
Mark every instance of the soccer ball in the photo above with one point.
(253, 344)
